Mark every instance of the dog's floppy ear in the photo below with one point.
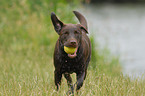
(83, 28)
(81, 19)
(56, 23)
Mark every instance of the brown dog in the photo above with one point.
(71, 35)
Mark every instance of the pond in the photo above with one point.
(122, 29)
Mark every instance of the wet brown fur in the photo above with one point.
(71, 35)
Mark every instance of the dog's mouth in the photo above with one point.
(71, 48)
(73, 55)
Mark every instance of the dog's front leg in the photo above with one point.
(80, 79)
(57, 78)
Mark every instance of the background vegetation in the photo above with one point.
(114, 1)
(27, 40)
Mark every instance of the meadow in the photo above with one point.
(27, 40)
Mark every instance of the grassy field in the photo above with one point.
(27, 40)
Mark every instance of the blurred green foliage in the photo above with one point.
(114, 1)
(25, 22)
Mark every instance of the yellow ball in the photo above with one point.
(69, 50)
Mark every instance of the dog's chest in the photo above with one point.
(71, 66)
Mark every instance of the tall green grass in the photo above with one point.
(27, 40)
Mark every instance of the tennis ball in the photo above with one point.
(69, 50)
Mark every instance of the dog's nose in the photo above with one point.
(73, 42)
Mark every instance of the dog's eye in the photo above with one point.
(66, 33)
(76, 32)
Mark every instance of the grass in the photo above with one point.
(27, 40)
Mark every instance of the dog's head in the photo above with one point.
(70, 35)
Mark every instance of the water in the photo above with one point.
(122, 29)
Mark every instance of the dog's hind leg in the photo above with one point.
(69, 82)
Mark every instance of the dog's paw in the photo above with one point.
(70, 93)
